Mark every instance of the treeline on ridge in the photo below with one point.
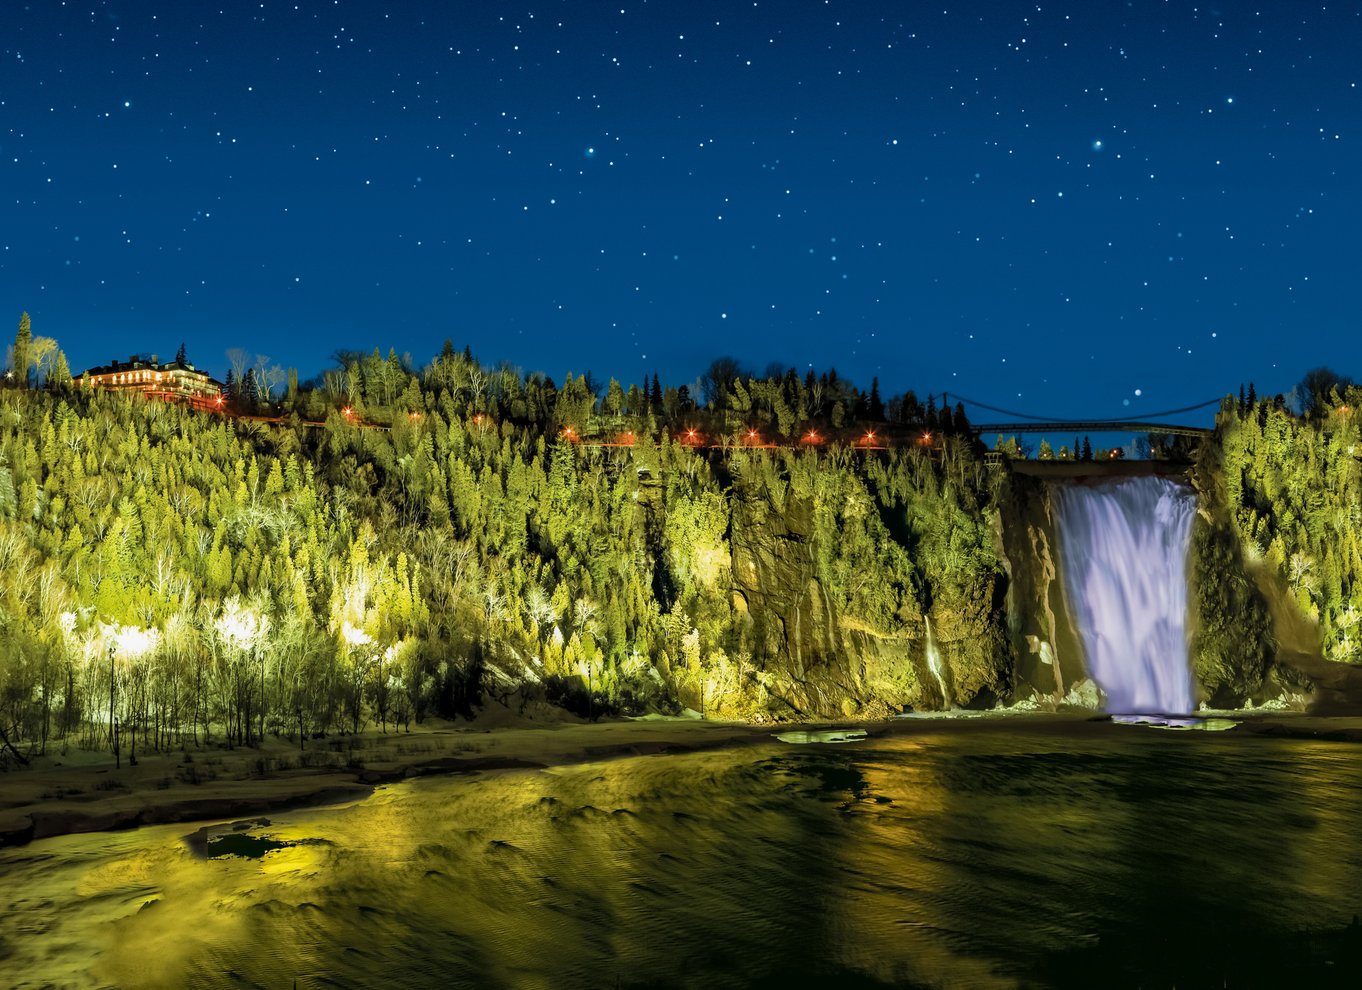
(188, 577)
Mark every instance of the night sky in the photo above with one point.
(1083, 208)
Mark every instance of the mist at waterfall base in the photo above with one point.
(1123, 553)
(964, 853)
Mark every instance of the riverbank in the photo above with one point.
(83, 792)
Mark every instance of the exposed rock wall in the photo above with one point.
(1049, 657)
(811, 656)
(1003, 631)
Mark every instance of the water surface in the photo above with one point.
(974, 854)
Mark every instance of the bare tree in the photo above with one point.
(333, 380)
(42, 352)
(270, 377)
(1314, 389)
(477, 383)
(718, 380)
(239, 361)
(262, 363)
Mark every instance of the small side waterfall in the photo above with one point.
(934, 662)
(1123, 554)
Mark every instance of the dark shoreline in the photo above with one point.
(256, 795)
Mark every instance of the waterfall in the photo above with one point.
(934, 662)
(1123, 552)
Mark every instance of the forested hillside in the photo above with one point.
(441, 538)
(1293, 485)
(396, 544)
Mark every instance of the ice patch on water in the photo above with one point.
(1164, 722)
(802, 737)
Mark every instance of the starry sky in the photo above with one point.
(1064, 208)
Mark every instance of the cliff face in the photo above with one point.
(840, 610)
(785, 615)
(1049, 662)
(1250, 642)
(1232, 636)
(1257, 634)
(828, 597)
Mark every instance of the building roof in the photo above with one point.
(142, 362)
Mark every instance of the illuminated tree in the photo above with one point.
(131, 643)
(61, 372)
(22, 339)
(614, 398)
(42, 351)
(244, 628)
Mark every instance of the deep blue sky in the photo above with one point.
(1047, 206)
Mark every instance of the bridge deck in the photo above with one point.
(1119, 468)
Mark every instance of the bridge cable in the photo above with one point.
(1062, 419)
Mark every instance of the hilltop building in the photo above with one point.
(172, 381)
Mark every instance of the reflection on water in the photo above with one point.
(963, 855)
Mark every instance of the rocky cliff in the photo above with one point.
(998, 616)
(835, 585)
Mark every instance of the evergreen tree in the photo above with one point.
(910, 409)
(230, 386)
(60, 375)
(1087, 450)
(875, 406)
(180, 356)
(21, 344)
(250, 389)
(614, 398)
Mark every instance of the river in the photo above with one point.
(962, 853)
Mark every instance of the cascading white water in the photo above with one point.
(1123, 551)
(934, 662)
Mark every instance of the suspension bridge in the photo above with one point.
(1059, 426)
